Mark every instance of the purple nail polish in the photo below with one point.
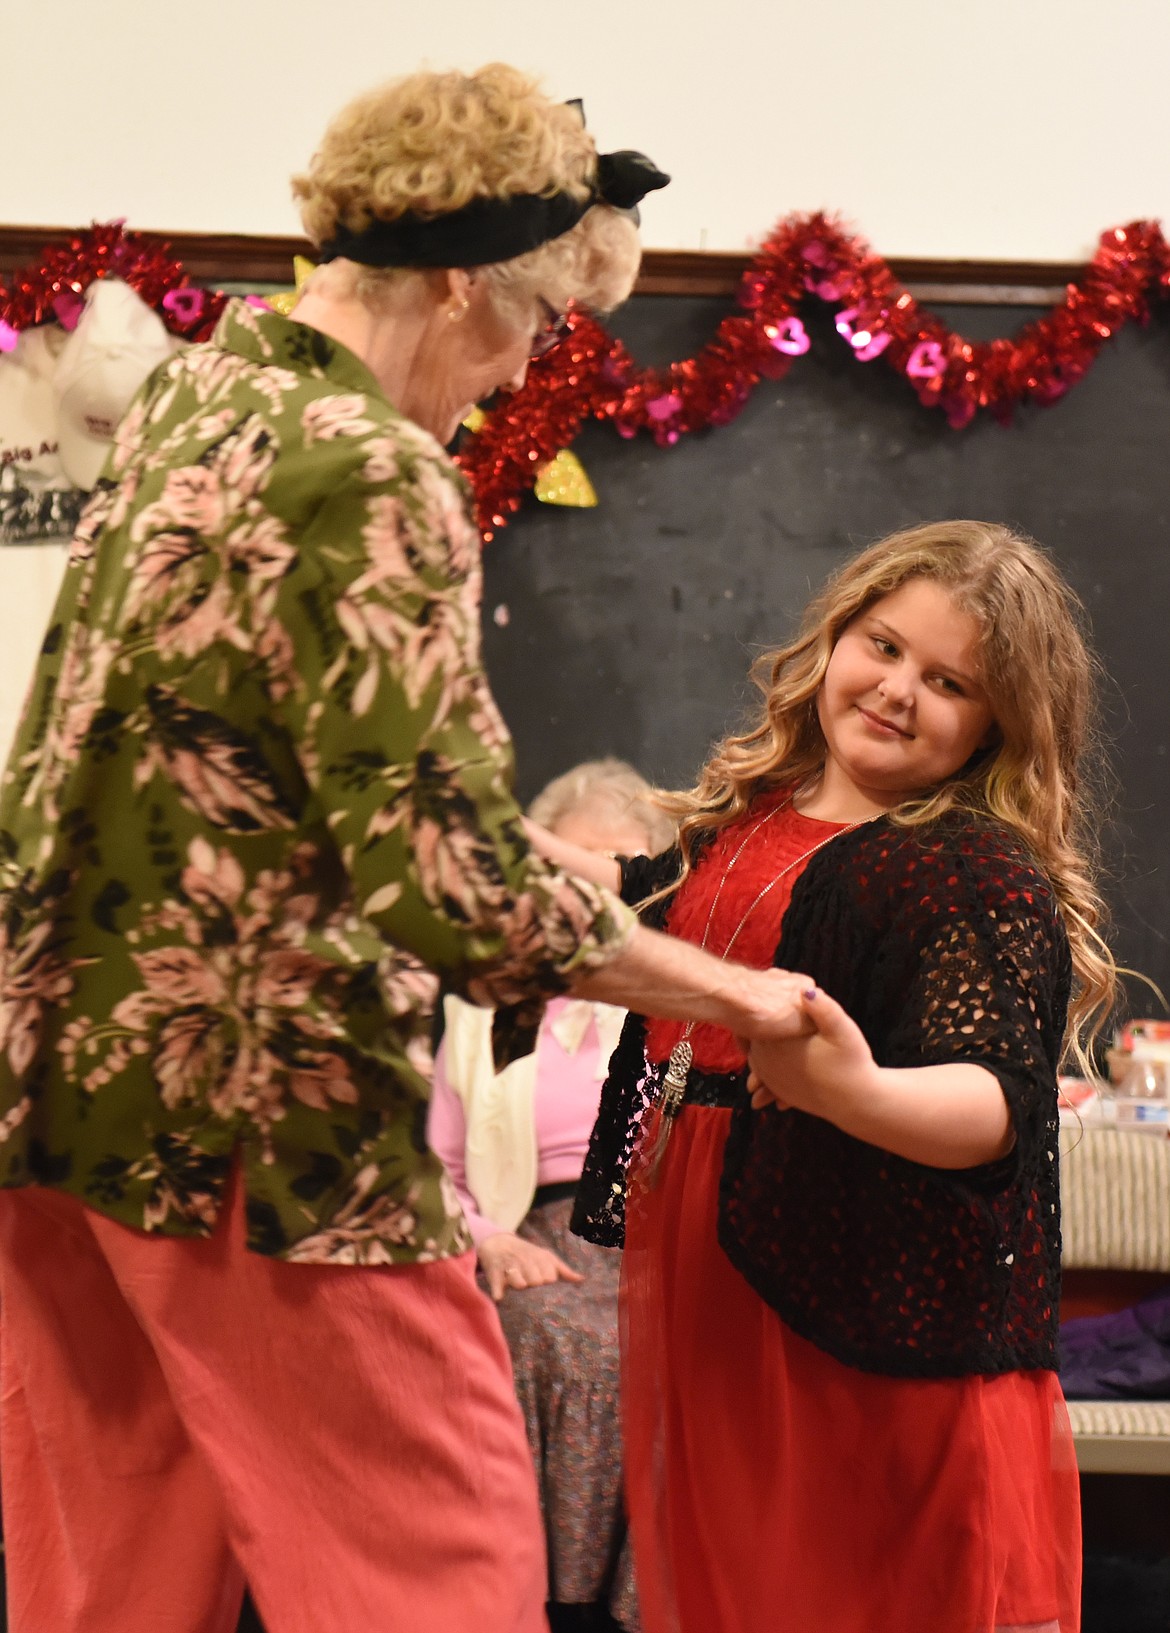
(810, 993)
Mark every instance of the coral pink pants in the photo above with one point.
(179, 1415)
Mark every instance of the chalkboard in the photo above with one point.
(628, 629)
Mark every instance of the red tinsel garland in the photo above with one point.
(590, 374)
(55, 286)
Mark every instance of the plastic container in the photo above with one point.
(1142, 1098)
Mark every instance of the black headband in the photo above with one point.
(493, 229)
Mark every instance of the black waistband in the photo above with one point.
(709, 1088)
(560, 1190)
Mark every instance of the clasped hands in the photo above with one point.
(810, 1055)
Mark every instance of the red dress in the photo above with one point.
(771, 1488)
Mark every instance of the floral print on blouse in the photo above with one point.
(259, 801)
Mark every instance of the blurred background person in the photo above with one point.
(514, 1143)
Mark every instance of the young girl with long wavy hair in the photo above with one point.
(841, 1272)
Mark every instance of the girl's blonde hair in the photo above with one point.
(1040, 680)
(433, 142)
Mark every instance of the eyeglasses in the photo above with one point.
(555, 329)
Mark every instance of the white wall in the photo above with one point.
(983, 128)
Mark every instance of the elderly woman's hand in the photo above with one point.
(509, 1261)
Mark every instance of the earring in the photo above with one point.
(456, 313)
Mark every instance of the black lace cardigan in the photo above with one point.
(944, 945)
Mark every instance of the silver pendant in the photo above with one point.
(674, 1084)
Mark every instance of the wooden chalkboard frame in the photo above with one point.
(236, 258)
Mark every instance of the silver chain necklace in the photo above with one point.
(679, 1063)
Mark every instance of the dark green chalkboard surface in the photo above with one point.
(630, 628)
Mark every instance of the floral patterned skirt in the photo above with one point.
(565, 1355)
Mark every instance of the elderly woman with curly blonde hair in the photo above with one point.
(259, 801)
(459, 218)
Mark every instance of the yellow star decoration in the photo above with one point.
(563, 482)
(285, 299)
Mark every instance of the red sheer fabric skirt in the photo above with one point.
(772, 1489)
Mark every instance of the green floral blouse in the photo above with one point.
(259, 801)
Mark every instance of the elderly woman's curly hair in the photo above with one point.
(431, 143)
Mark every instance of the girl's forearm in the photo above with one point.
(951, 1116)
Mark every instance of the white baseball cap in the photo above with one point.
(117, 343)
